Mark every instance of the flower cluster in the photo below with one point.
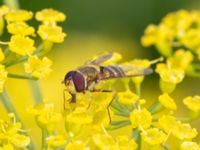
(89, 124)
(11, 134)
(22, 47)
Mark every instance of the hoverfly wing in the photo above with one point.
(120, 71)
(99, 60)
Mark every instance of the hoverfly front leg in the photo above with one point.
(73, 98)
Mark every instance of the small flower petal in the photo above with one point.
(38, 68)
(21, 45)
(51, 33)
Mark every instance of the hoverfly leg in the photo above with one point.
(73, 99)
(113, 98)
(110, 103)
(64, 98)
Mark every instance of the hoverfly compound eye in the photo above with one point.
(69, 76)
(78, 80)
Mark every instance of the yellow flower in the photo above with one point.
(169, 74)
(50, 15)
(76, 145)
(154, 136)
(1, 55)
(193, 103)
(45, 115)
(181, 59)
(178, 21)
(19, 140)
(21, 45)
(190, 38)
(137, 118)
(3, 10)
(161, 36)
(104, 141)
(51, 33)
(167, 101)
(149, 38)
(188, 145)
(38, 68)
(55, 141)
(7, 147)
(3, 77)
(20, 28)
(79, 116)
(18, 15)
(127, 98)
(184, 131)
(125, 143)
(100, 116)
(10, 133)
(167, 122)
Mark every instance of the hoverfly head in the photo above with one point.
(74, 81)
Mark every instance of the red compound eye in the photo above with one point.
(78, 80)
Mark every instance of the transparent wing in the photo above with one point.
(100, 59)
(124, 70)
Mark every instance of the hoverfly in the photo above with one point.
(85, 77)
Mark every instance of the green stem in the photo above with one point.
(44, 135)
(124, 114)
(9, 106)
(36, 91)
(193, 116)
(18, 76)
(124, 122)
(7, 102)
(38, 52)
(156, 107)
(136, 135)
(118, 124)
(13, 4)
(138, 89)
(120, 108)
(6, 52)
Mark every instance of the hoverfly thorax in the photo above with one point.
(74, 81)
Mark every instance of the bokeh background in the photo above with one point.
(95, 26)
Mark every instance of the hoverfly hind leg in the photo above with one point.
(113, 98)
(110, 103)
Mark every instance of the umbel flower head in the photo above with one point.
(3, 77)
(45, 115)
(10, 135)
